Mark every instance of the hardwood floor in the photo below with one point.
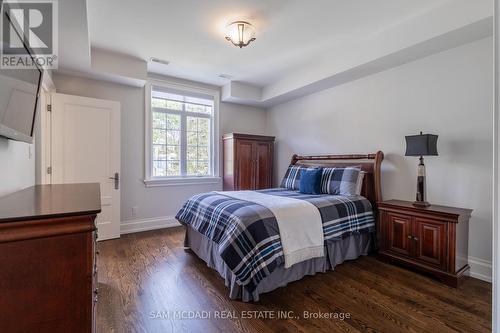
(144, 277)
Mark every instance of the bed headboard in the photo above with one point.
(369, 163)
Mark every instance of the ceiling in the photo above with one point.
(189, 33)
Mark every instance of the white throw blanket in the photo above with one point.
(299, 222)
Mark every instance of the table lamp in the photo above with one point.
(421, 145)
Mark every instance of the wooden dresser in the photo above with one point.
(48, 275)
(433, 240)
(248, 161)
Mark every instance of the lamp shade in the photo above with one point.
(421, 145)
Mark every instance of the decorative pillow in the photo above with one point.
(359, 185)
(291, 180)
(339, 181)
(310, 181)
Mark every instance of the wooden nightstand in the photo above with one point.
(433, 240)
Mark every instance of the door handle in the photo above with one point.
(116, 178)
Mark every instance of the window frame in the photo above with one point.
(153, 181)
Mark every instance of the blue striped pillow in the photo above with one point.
(291, 180)
(340, 181)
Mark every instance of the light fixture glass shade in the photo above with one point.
(240, 33)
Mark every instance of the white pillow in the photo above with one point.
(359, 182)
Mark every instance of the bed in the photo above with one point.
(241, 240)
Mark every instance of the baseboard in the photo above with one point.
(480, 269)
(131, 226)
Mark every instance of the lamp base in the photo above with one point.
(420, 198)
(421, 204)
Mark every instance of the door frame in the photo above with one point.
(42, 140)
(496, 172)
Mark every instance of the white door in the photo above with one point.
(85, 148)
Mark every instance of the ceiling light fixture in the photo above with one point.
(240, 33)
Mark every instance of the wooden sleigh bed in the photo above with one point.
(347, 247)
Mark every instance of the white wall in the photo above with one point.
(17, 166)
(449, 94)
(158, 202)
(18, 160)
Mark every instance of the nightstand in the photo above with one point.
(433, 240)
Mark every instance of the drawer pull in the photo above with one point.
(96, 294)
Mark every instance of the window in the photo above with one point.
(182, 129)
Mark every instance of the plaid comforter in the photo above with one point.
(247, 233)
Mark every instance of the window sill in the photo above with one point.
(158, 182)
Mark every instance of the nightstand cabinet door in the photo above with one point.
(399, 233)
(430, 240)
